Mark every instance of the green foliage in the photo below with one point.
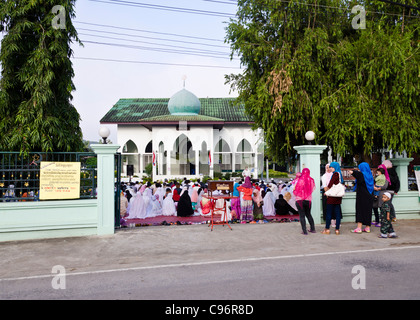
(36, 83)
(307, 68)
(149, 169)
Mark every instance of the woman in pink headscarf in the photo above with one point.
(304, 187)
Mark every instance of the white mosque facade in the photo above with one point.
(185, 136)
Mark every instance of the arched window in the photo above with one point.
(222, 161)
(182, 157)
(148, 154)
(204, 159)
(221, 146)
(161, 163)
(244, 146)
(244, 156)
(130, 157)
(130, 147)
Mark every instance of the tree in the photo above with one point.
(36, 85)
(306, 67)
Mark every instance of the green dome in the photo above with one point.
(184, 103)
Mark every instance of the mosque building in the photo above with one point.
(185, 136)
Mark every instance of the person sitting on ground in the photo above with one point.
(282, 207)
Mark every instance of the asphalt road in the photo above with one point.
(384, 274)
(323, 267)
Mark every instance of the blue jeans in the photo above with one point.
(336, 208)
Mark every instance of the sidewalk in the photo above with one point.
(165, 245)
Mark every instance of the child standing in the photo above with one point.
(387, 231)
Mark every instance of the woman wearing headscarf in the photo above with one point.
(325, 179)
(168, 204)
(194, 197)
(205, 205)
(303, 189)
(257, 205)
(184, 208)
(137, 207)
(282, 207)
(246, 202)
(235, 203)
(268, 206)
(197, 210)
(333, 203)
(147, 198)
(394, 185)
(123, 205)
(364, 197)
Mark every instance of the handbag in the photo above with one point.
(337, 191)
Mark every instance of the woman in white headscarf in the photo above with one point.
(137, 207)
(156, 206)
(168, 205)
(268, 206)
(147, 198)
(275, 190)
(198, 208)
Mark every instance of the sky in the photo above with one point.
(122, 30)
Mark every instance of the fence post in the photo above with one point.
(105, 189)
(401, 165)
(310, 157)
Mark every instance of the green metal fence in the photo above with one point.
(19, 173)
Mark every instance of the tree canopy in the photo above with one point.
(36, 85)
(307, 67)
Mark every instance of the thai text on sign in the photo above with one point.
(59, 180)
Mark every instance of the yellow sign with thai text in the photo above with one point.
(59, 180)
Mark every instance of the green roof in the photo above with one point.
(156, 110)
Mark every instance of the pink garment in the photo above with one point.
(298, 175)
(304, 187)
(194, 195)
(256, 196)
(386, 173)
(247, 183)
(387, 164)
(143, 187)
(328, 175)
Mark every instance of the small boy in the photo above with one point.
(387, 231)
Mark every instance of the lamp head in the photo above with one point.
(104, 132)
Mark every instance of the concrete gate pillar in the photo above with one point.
(310, 157)
(105, 189)
(401, 167)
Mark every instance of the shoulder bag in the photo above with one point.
(337, 191)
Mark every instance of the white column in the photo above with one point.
(310, 157)
(401, 167)
(211, 148)
(141, 165)
(105, 189)
(168, 162)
